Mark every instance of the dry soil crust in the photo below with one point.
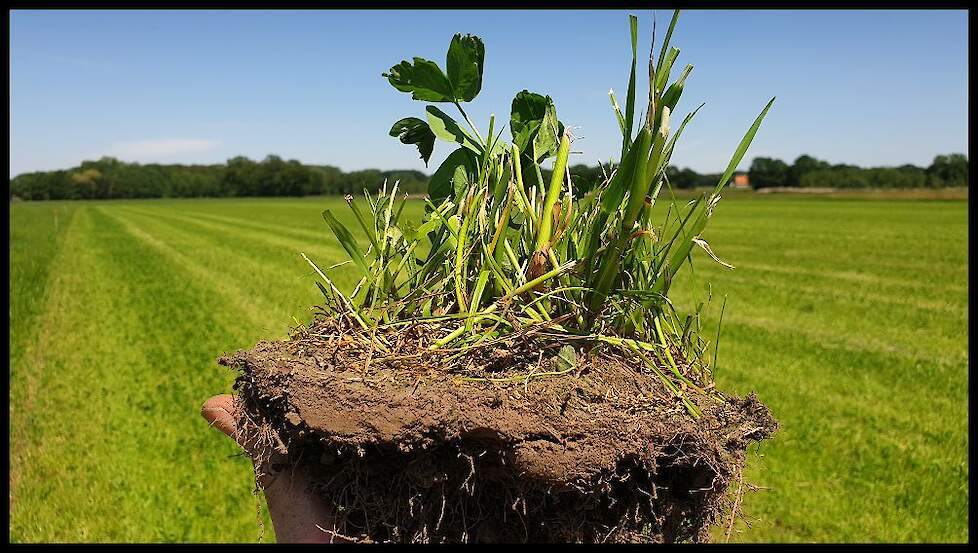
(597, 454)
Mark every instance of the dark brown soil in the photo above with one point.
(418, 446)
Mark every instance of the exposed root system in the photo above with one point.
(504, 442)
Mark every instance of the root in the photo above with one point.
(736, 505)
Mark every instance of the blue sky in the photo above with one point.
(861, 87)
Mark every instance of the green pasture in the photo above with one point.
(848, 317)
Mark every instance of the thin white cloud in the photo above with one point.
(140, 150)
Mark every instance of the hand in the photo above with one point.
(298, 514)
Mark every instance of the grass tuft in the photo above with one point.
(500, 249)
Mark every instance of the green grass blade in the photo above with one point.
(716, 343)
(371, 233)
(545, 230)
(665, 41)
(480, 287)
(662, 75)
(630, 98)
(618, 115)
(742, 148)
(671, 97)
(348, 242)
(349, 304)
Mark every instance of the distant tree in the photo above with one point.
(241, 177)
(356, 182)
(87, 181)
(327, 179)
(803, 165)
(949, 170)
(685, 178)
(409, 181)
(765, 172)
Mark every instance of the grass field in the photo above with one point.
(848, 317)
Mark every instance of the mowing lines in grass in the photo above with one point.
(235, 257)
(117, 447)
(872, 397)
(255, 311)
(231, 230)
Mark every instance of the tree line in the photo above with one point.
(806, 171)
(110, 178)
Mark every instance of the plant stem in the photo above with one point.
(545, 230)
(478, 135)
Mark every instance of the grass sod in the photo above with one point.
(870, 394)
(508, 275)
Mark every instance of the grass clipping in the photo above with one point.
(511, 369)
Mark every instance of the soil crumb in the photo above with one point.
(522, 440)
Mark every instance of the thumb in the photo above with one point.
(221, 412)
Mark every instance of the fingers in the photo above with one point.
(219, 411)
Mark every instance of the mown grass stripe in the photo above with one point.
(319, 246)
(281, 279)
(783, 377)
(120, 448)
(255, 311)
(867, 276)
(852, 342)
(827, 257)
(245, 246)
(840, 445)
(32, 323)
(266, 229)
(949, 309)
